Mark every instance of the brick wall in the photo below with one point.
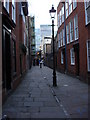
(80, 48)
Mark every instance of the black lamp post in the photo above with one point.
(52, 14)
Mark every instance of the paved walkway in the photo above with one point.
(35, 97)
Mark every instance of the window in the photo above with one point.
(62, 12)
(70, 6)
(22, 15)
(88, 55)
(60, 18)
(66, 9)
(72, 56)
(33, 47)
(71, 31)
(24, 38)
(76, 27)
(6, 5)
(67, 32)
(63, 37)
(59, 40)
(14, 56)
(61, 57)
(74, 4)
(87, 12)
(13, 11)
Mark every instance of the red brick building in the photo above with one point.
(13, 43)
(73, 37)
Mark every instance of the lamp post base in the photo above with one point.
(54, 80)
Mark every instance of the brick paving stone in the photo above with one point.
(33, 104)
(33, 98)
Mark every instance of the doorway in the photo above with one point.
(6, 60)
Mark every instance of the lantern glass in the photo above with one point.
(52, 12)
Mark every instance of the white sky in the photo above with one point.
(40, 9)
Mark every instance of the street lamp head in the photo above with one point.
(52, 12)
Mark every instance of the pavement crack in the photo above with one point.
(59, 102)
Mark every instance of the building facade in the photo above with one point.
(37, 39)
(13, 44)
(45, 32)
(47, 45)
(33, 43)
(74, 38)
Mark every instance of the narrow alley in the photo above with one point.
(35, 97)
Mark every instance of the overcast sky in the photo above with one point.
(40, 9)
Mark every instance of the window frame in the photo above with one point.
(67, 8)
(88, 56)
(70, 7)
(76, 27)
(62, 58)
(62, 13)
(14, 11)
(87, 6)
(74, 4)
(6, 5)
(72, 56)
(24, 38)
(71, 31)
(63, 36)
(60, 18)
(67, 32)
(61, 39)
